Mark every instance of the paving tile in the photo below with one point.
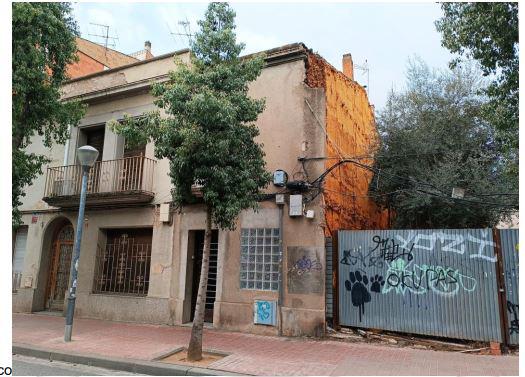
(254, 354)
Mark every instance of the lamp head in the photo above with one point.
(87, 155)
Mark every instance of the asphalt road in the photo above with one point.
(30, 366)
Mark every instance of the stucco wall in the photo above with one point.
(351, 133)
(154, 308)
(289, 129)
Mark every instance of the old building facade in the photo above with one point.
(140, 258)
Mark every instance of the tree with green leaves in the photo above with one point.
(43, 46)
(434, 138)
(207, 134)
(488, 33)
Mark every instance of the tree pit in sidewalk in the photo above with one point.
(180, 357)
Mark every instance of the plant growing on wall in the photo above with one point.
(434, 138)
(43, 46)
(207, 134)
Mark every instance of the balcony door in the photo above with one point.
(132, 168)
(94, 136)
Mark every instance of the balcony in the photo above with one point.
(113, 183)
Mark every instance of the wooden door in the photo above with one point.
(62, 250)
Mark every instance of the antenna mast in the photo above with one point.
(105, 36)
(366, 70)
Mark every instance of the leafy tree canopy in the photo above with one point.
(43, 45)
(488, 33)
(434, 138)
(207, 130)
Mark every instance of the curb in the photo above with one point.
(151, 368)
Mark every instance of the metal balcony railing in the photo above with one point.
(125, 175)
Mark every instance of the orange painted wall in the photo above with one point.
(352, 133)
(84, 66)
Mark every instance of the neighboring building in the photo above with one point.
(93, 57)
(140, 259)
(143, 54)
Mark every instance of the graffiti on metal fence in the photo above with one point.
(356, 255)
(404, 263)
(454, 243)
(358, 286)
(419, 279)
(441, 282)
(390, 250)
(514, 318)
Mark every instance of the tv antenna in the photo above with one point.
(187, 30)
(366, 70)
(105, 36)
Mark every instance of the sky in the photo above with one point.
(382, 36)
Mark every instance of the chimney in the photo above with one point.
(348, 66)
(147, 46)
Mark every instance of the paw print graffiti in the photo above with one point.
(377, 282)
(358, 290)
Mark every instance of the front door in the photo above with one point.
(212, 273)
(62, 250)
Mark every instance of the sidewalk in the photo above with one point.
(252, 354)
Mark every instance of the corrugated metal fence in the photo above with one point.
(329, 292)
(440, 282)
(509, 247)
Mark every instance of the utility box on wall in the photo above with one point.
(264, 312)
(296, 205)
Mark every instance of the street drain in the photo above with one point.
(179, 356)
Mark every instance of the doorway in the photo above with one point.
(58, 282)
(94, 136)
(198, 245)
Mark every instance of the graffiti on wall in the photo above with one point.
(305, 270)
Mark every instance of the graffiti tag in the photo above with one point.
(419, 279)
(514, 322)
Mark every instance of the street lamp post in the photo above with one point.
(87, 155)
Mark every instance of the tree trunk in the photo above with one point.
(195, 346)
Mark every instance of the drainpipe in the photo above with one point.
(281, 288)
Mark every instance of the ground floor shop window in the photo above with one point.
(123, 263)
(260, 258)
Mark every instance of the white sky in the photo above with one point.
(384, 34)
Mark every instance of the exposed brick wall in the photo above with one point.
(352, 132)
(84, 66)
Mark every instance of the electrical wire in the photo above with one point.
(320, 179)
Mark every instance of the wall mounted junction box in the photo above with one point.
(296, 205)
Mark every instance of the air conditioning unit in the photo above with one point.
(265, 312)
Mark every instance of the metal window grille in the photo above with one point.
(260, 258)
(123, 267)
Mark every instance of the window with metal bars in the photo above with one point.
(123, 264)
(260, 258)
